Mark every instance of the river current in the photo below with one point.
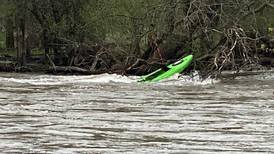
(115, 114)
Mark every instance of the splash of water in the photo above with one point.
(177, 79)
(188, 80)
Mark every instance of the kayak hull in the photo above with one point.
(171, 69)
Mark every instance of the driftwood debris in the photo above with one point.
(82, 60)
(7, 66)
(69, 70)
(229, 75)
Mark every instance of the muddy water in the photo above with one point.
(114, 114)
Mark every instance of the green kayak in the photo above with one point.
(168, 71)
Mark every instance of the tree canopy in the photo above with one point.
(218, 29)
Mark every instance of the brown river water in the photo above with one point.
(114, 114)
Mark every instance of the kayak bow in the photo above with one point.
(168, 71)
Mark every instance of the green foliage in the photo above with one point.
(199, 24)
(6, 8)
(119, 21)
(8, 52)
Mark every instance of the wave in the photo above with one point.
(33, 79)
(188, 80)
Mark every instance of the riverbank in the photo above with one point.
(8, 64)
(105, 59)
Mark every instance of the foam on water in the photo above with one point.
(180, 80)
(188, 80)
(37, 80)
(194, 79)
(59, 80)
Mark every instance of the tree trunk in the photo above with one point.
(136, 49)
(46, 42)
(28, 47)
(23, 30)
(21, 47)
(9, 33)
(169, 18)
